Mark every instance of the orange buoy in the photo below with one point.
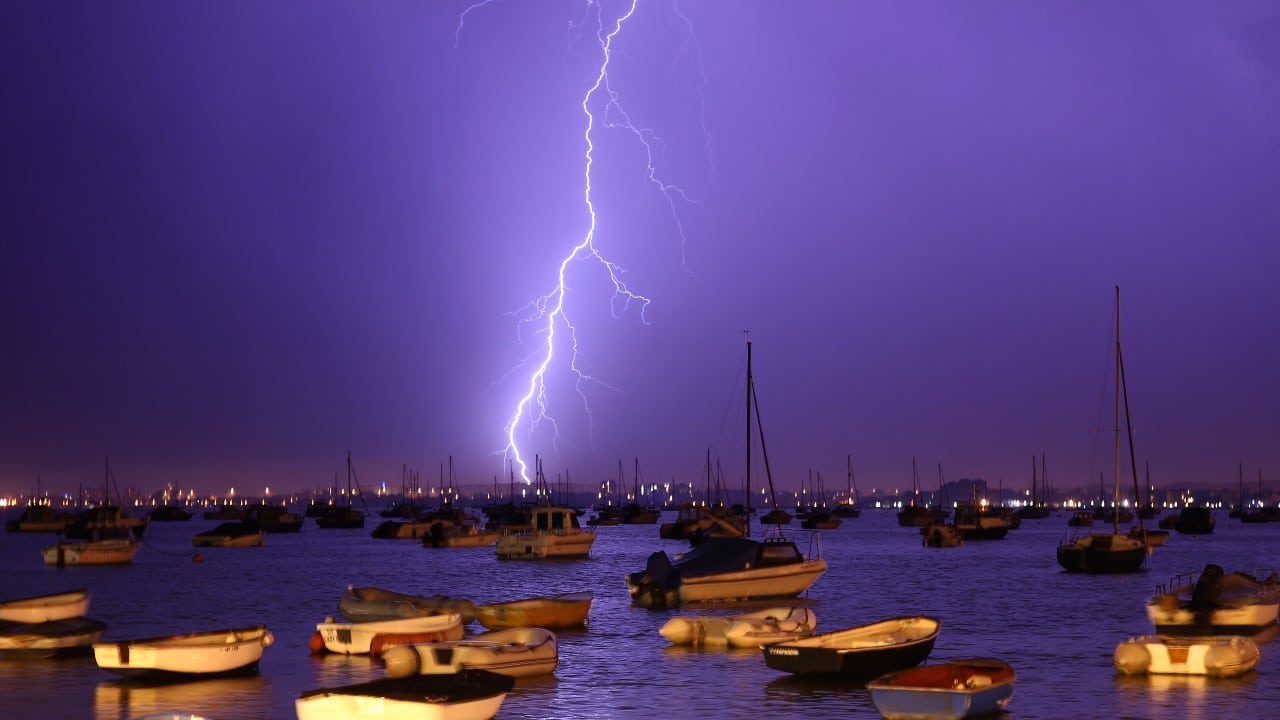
(317, 643)
(197, 558)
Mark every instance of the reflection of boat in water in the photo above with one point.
(212, 698)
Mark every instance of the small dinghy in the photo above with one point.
(466, 695)
(555, 612)
(46, 608)
(49, 639)
(373, 637)
(865, 651)
(231, 534)
(518, 652)
(946, 691)
(208, 653)
(1221, 656)
(371, 604)
(749, 630)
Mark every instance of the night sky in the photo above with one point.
(242, 239)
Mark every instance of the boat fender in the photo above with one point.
(1132, 659)
(402, 661)
(317, 643)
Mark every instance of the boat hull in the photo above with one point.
(517, 653)
(93, 552)
(248, 539)
(749, 630)
(950, 691)
(46, 608)
(555, 613)
(48, 639)
(211, 653)
(468, 536)
(858, 653)
(1217, 603)
(371, 604)
(468, 695)
(1103, 553)
(359, 638)
(1221, 656)
(542, 545)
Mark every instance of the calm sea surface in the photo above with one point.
(1004, 598)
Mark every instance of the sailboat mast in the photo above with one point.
(848, 491)
(1115, 506)
(772, 502)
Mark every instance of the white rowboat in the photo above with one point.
(372, 637)
(46, 608)
(211, 652)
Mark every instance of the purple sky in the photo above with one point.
(241, 239)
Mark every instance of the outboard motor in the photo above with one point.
(1208, 588)
(1205, 595)
(655, 581)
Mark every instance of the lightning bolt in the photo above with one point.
(547, 314)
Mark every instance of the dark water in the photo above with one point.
(1005, 598)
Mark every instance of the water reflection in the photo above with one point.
(219, 697)
(332, 670)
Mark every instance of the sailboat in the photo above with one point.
(633, 513)
(108, 516)
(343, 516)
(915, 515)
(1262, 513)
(1112, 552)
(848, 508)
(1038, 509)
(729, 569)
(819, 517)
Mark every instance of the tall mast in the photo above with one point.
(1115, 506)
(772, 501)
